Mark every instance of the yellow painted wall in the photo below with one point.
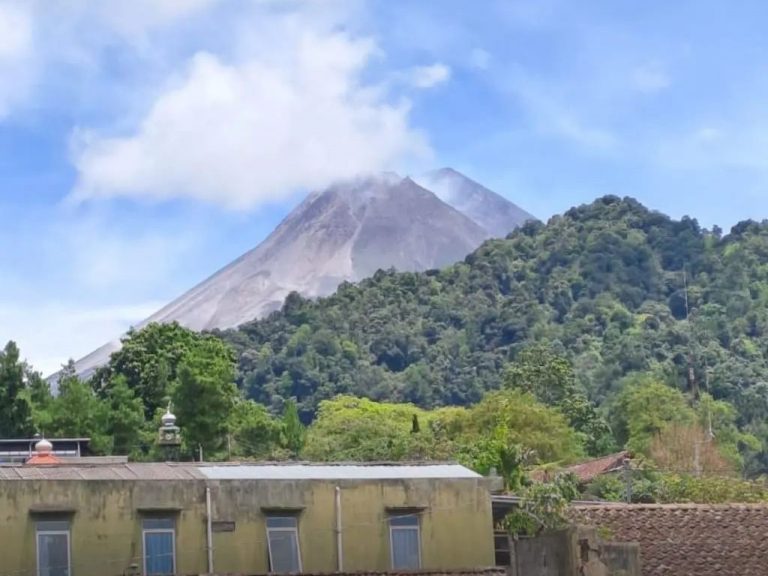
(105, 528)
(456, 525)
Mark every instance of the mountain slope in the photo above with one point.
(344, 233)
(490, 210)
(618, 288)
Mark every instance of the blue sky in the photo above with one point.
(145, 144)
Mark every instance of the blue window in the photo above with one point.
(283, 542)
(159, 546)
(53, 548)
(405, 542)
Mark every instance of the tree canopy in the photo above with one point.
(609, 326)
(613, 288)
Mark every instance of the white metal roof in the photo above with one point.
(335, 472)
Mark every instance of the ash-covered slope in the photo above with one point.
(346, 232)
(490, 210)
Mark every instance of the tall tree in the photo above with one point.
(204, 395)
(539, 370)
(541, 431)
(149, 361)
(254, 432)
(15, 410)
(505, 431)
(349, 428)
(125, 418)
(77, 412)
(293, 429)
(549, 376)
(647, 407)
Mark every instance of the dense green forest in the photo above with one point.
(617, 289)
(611, 326)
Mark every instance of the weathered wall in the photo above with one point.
(105, 521)
(621, 558)
(456, 527)
(547, 555)
(576, 551)
(466, 572)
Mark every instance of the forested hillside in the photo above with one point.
(616, 288)
(609, 327)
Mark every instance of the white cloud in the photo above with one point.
(242, 134)
(650, 77)
(430, 76)
(36, 36)
(272, 99)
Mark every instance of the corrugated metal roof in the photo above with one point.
(135, 471)
(100, 460)
(335, 472)
(234, 471)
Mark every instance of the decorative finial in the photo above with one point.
(168, 418)
(43, 447)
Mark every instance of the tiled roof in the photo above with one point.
(40, 459)
(688, 539)
(232, 471)
(587, 471)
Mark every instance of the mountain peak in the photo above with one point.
(490, 210)
(446, 171)
(343, 233)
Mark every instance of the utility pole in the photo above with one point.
(696, 459)
(627, 481)
(692, 384)
(200, 451)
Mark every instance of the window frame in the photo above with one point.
(145, 531)
(292, 529)
(67, 533)
(415, 528)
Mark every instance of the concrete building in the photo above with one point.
(158, 518)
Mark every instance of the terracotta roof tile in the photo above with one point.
(688, 539)
(588, 470)
(38, 459)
